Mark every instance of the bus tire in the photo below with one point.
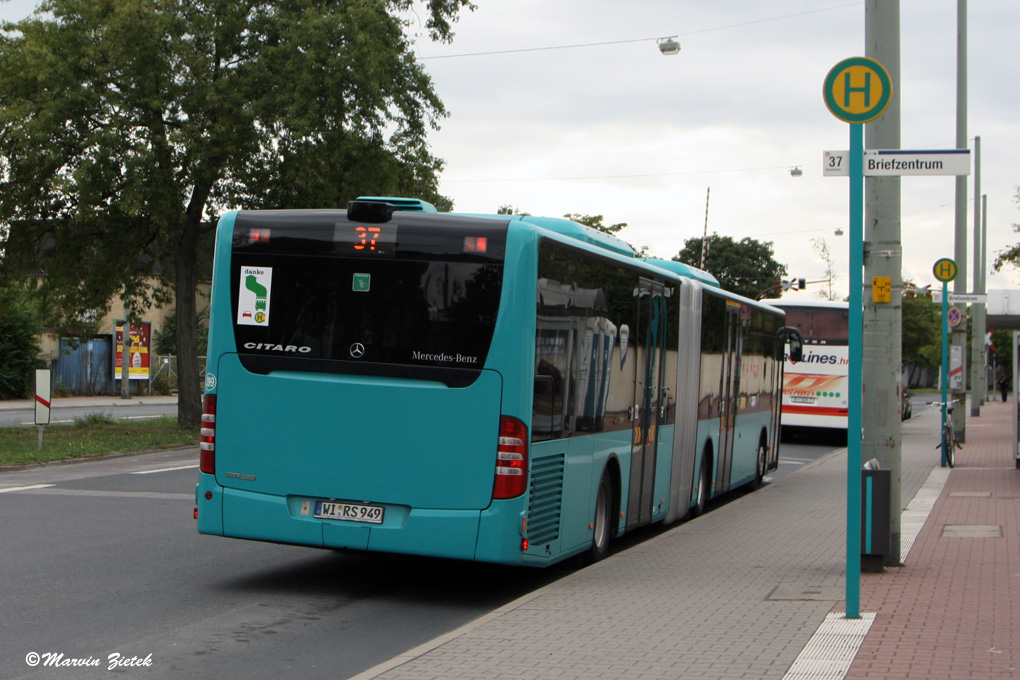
(704, 485)
(761, 466)
(603, 521)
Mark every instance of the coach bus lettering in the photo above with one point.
(820, 377)
(277, 348)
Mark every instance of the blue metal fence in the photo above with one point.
(84, 367)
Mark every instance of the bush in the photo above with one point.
(95, 418)
(164, 385)
(19, 323)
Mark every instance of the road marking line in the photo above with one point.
(169, 469)
(93, 493)
(25, 488)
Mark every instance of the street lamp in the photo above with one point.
(669, 46)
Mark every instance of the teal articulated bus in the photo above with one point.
(506, 389)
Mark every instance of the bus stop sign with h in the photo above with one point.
(945, 270)
(856, 91)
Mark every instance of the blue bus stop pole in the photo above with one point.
(856, 342)
(945, 363)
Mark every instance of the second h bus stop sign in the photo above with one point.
(945, 270)
(858, 90)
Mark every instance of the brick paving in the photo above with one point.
(953, 610)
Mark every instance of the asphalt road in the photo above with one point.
(102, 558)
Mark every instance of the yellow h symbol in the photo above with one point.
(849, 90)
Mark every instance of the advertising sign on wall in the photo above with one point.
(138, 363)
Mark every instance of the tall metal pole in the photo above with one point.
(945, 364)
(883, 255)
(854, 382)
(704, 239)
(984, 286)
(960, 250)
(977, 349)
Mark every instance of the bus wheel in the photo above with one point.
(603, 521)
(763, 462)
(703, 488)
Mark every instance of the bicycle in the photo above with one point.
(949, 442)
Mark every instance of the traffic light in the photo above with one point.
(792, 284)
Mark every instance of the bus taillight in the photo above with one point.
(511, 459)
(207, 447)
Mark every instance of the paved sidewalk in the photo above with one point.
(87, 402)
(953, 610)
(741, 591)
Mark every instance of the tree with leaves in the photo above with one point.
(821, 247)
(746, 267)
(596, 222)
(922, 336)
(128, 127)
(1001, 354)
(19, 323)
(1010, 255)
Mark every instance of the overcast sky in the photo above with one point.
(622, 131)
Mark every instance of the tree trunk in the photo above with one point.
(125, 351)
(189, 392)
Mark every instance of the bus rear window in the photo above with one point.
(819, 324)
(415, 297)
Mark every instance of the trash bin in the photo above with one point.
(875, 501)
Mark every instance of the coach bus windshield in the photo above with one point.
(413, 297)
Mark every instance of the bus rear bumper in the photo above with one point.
(209, 505)
(490, 535)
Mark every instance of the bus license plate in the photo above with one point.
(802, 400)
(351, 512)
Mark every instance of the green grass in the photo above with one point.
(91, 436)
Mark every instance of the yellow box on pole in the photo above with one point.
(881, 289)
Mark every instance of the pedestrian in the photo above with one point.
(1003, 385)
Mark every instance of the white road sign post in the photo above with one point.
(43, 390)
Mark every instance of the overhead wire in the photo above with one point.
(637, 40)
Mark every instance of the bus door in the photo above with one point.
(648, 389)
(729, 391)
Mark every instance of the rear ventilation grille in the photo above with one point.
(546, 500)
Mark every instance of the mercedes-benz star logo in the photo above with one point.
(357, 350)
